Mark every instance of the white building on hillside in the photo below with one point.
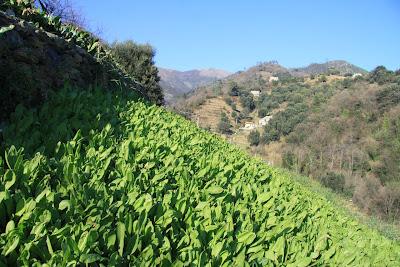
(264, 121)
(248, 126)
(273, 78)
(355, 75)
(255, 93)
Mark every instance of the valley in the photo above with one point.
(323, 125)
(107, 159)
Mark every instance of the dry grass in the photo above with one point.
(208, 114)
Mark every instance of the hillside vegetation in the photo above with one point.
(339, 129)
(104, 177)
(177, 83)
(97, 176)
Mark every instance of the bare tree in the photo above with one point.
(63, 9)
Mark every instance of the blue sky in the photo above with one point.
(234, 35)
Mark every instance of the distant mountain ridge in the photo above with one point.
(176, 83)
(341, 66)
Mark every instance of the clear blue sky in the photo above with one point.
(234, 35)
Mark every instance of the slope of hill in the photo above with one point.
(343, 113)
(102, 177)
(111, 180)
(340, 67)
(176, 83)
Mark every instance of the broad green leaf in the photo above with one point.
(9, 179)
(12, 243)
(215, 190)
(246, 238)
(216, 249)
(10, 226)
(83, 241)
(64, 204)
(264, 197)
(90, 258)
(120, 237)
(111, 240)
(280, 247)
(304, 262)
(49, 246)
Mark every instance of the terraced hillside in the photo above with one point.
(209, 114)
(102, 178)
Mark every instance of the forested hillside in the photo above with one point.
(342, 130)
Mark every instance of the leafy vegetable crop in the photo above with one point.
(96, 177)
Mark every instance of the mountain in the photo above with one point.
(176, 83)
(341, 67)
(324, 118)
(100, 176)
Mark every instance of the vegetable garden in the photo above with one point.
(102, 178)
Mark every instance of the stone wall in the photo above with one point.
(34, 62)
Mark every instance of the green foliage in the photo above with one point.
(228, 100)
(262, 112)
(233, 89)
(352, 135)
(244, 114)
(346, 83)
(138, 61)
(333, 71)
(334, 181)
(381, 75)
(322, 79)
(254, 138)
(129, 183)
(388, 97)
(224, 125)
(388, 135)
(289, 160)
(247, 101)
(284, 122)
(284, 78)
(27, 10)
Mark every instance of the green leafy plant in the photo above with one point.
(100, 178)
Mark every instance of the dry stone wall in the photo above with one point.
(34, 63)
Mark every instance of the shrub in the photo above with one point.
(346, 83)
(137, 60)
(233, 89)
(262, 112)
(247, 101)
(380, 75)
(322, 79)
(288, 160)
(224, 126)
(270, 134)
(254, 138)
(334, 181)
(228, 100)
